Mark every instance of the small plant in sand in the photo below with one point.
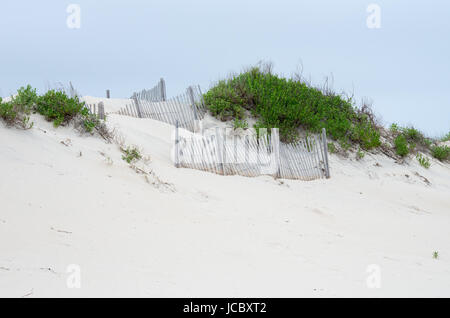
(394, 128)
(360, 154)
(345, 145)
(401, 146)
(413, 135)
(435, 255)
(424, 161)
(441, 152)
(131, 154)
(240, 123)
(409, 140)
(331, 147)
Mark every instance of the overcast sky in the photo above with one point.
(403, 67)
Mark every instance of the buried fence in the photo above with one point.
(226, 151)
(252, 154)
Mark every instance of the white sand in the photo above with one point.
(214, 236)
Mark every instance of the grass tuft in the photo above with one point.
(424, 161)
(401, 146)
(131, 154)
(441, 153)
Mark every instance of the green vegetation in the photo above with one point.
(424, 161)
(394, 128)
(331, 147)
(131, 154)
(360, 154)
(408, 140)
(413, 135)
(401, 146)
(55, 106)
(240, 123)
(290, 104)
(17, 111)
(446, 137)
(441, 152)
(435, 255)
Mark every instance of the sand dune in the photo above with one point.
(68, 200)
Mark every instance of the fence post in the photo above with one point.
(177, 141)
(162, 87)
(73, 92)
(224, 151)
(202, 99)
(325, 149)
(219, 146)
(101, 110)
(275, 141)
(108, 94)
(138, 108)
(190, 93)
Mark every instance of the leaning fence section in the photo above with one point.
(186, 109)
(68, 89)
(252, 154)
(155, 94)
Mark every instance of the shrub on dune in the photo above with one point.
(55, 106)
(441, 152)
(17, 111)
(290, 104)
(401, 146)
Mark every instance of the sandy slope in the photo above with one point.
(208, 235)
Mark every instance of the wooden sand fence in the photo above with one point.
(252, 154)
(156, 94)
(228, 152)
(97, 109)
(68, 89)
(186, 109)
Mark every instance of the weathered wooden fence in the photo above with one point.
(252, 154)
(227, 152)
(61, 87)
(156, 94)
(186, 109)
(97, 109)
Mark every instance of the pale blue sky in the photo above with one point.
(404, 67)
